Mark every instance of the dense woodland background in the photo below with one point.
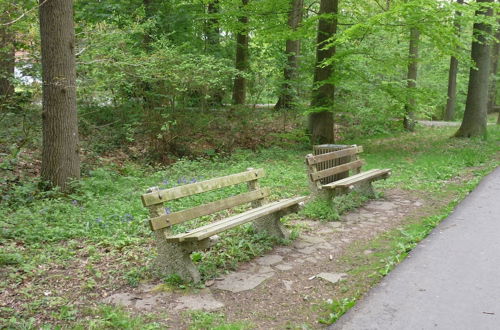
(160, 80)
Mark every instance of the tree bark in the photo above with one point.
(288, 95)
(474, 121)
(449, 113)
(212, 31)
(492, 93)
(241, 61)
(60, 154)
(7, 62)
(410, 106)
(321, 122)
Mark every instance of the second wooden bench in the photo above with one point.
(323, 173)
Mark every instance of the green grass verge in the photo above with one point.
(103, 221)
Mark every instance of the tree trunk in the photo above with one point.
(492, 94)
(449, 113)
(474, 121)
(60, 154)
(288, 95)
(212, 31)
(410, 106)
(321, 121)
(241, 62)
(7, 63)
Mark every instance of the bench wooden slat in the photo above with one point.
(335, 170)
(222, 225)
(370, 175)
(200, 187)
(311, 160)
(167, 220)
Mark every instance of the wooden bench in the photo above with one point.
(326, 177)
(174, 249)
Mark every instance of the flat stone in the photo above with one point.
(265, 269)
(383, 206)
(148, 303)
(239, 281)
(308, 250)
(332, 277)
(284, 267)
(300, 244)
(288, 285)
(367, 252)
(312, 239)
(204, 301)
(269, 260)
(283, 250)
(121, 299)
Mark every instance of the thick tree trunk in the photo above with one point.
(449, 112)
(288, 95)
(60, 154)
(321, 122)
(492, 93)
(241, 62)
(474, 121)
(7, 64)
(410, 106)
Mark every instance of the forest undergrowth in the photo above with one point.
(61, 253)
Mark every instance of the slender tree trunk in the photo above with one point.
(212, 31)
(60, 154)
(288, 95)
(474, 121)
(241, 62)
(7, 63)
(321, 122)
(410, 106)
(492, 94)
(449, 113)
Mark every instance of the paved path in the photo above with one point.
(451, 280)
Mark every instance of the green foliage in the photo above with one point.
(321, 208)
(326, 209)
(110, 317)
(338, 308)
(204, 320)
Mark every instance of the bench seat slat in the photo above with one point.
(166, 195)
(233, 221)
(371, 175)
(312, 160)
(337, 169)
(167, 220)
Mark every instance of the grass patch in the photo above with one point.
(77, 246)
(215, 321)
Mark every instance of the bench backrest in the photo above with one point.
(155, 198)
(323, 166)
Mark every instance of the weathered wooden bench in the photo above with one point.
(330, 178)
(174, 250)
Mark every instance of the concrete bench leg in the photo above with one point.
(272, 223)
(365, 188)
(175, 258)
